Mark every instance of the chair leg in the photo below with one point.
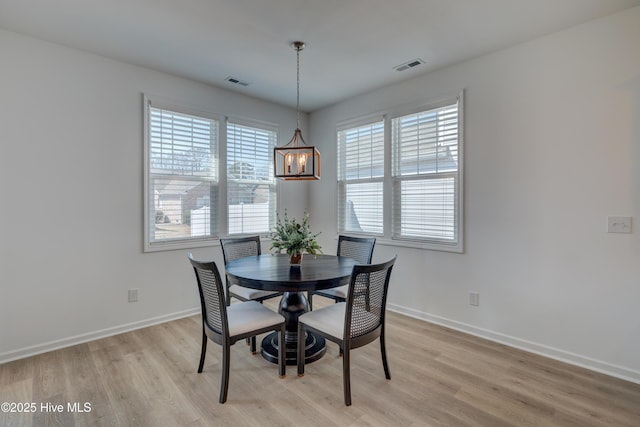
(224, 382)
(282, 352)
(251, 342)
(346, 376)
(203, 350)
(310, 300)
(300, 352)
(383, 350)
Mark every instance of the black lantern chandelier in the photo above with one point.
(296, 161)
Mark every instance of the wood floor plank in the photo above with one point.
(439, 377)
(46, 378)
(18, 391)
(16, 370)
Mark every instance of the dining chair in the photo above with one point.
(233, 249)
(357, 248)
(236, 248)
(225, 325)
(353, 323)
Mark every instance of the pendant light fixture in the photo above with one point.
(296, 161)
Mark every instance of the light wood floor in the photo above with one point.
(439, 377)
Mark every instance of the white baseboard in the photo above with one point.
(82, 338)
(531, 347)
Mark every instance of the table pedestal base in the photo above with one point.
(315, 347)
(292, 306)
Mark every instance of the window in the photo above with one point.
(181, 172)
(414, 195)
(361, 178)
(426, 175)
(251, 187)
(196, 190)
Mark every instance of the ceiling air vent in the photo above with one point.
(409, 64)
(237, 81)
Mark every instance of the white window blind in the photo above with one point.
(426, 175)
(251, 187)
(181, 177)
(361, 178)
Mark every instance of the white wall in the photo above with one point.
(552, 139)
(72, 198)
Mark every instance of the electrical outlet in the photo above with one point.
(474, 298)
(133, 295)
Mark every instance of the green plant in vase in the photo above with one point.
(294, 238)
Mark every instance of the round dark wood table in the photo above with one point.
(275, 273)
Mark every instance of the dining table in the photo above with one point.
(274, 272)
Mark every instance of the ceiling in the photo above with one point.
(352, 45)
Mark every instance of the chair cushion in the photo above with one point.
(248, 293)
(340, 291)
(250, 316)
(329, 319)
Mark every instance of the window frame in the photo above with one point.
(389, 236)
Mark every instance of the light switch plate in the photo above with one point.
(618, 224)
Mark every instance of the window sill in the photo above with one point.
(181, 245)
(413, 244)
(420, 245)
